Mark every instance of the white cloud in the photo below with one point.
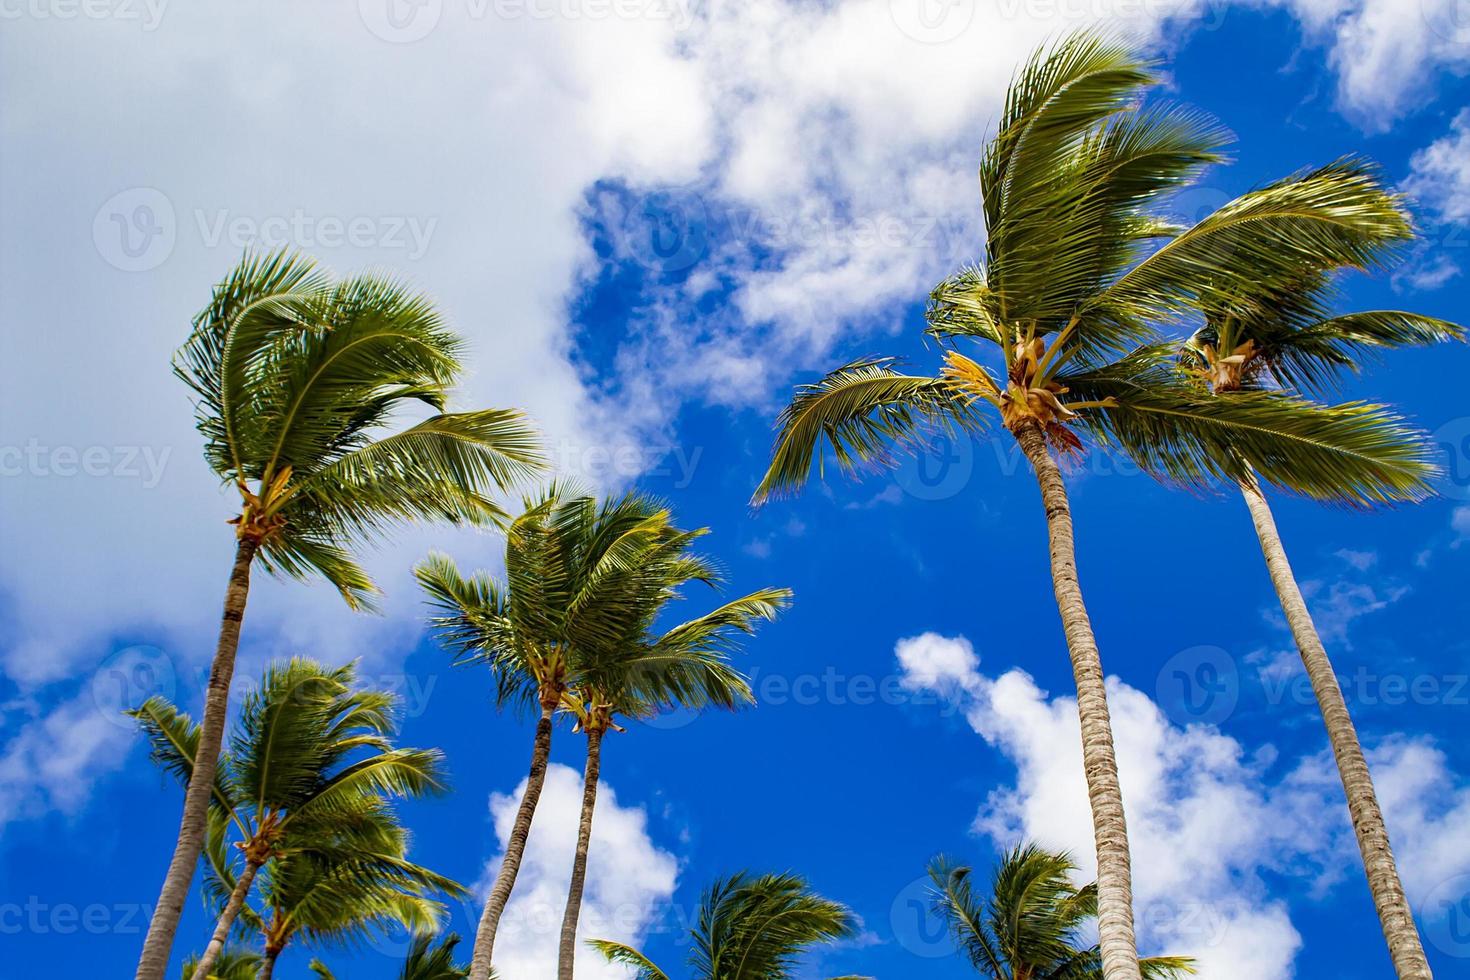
(628, 878)
(1460, 524)
(946, 665)
(1386, 53)
(50, 761)
(821, 178)
(1207, 819)
(1440, 173)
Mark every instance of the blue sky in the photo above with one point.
(649, 227)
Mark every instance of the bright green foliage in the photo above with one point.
(1080, 271)
(298, 375)
(233, 964)
(750, 927)
(304, 790)
(1031, 922)
(572, 625)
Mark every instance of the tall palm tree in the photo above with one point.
(1030, 923)
(297, 377)
(572, 597)
(351, 880)
(1078, 269)
(751, 927)
(307, 747)
(638, 674)
(1289, 338)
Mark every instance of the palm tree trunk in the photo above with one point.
(568, 951)
(165, 922)
(1110, 830)
(268, 964)
(1383, 876)
(226, 920)
(510, 866)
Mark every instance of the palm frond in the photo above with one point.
(861, 411)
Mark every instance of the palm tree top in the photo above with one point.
(572, 625)
(298, 376)
(750, 927)
(1030, 920)
(1081, 273)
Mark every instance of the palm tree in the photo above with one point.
(352, 878)
(232, 964)
(297, 375)
(1289, 338)
(1068, 295)
(307, 748)
(573, 598)
(751, 927)
(637, 675)
(1030, 924)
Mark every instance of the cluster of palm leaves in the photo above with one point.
(1202, 352)
(1197, 351)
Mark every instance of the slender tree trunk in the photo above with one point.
(510, 866)
(165, 922)
(226, 920)
(568, 953)
(268, 964)
(1110, 830)
(1383, 876)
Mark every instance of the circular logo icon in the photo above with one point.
(400, 21)
(1453, 439)
(1445, 913)
(1450, 20)
(129, 677)
(134, 230)
(666, 230)
(915, 925)
(932, 21)
(939, 467)
(1200, 685)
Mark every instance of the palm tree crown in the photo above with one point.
(297, 375)
(750, 927)
(1030, 923)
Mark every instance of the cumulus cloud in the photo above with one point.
(48, 765)
(1439, 174)
(628, 878)
(1207, 818)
